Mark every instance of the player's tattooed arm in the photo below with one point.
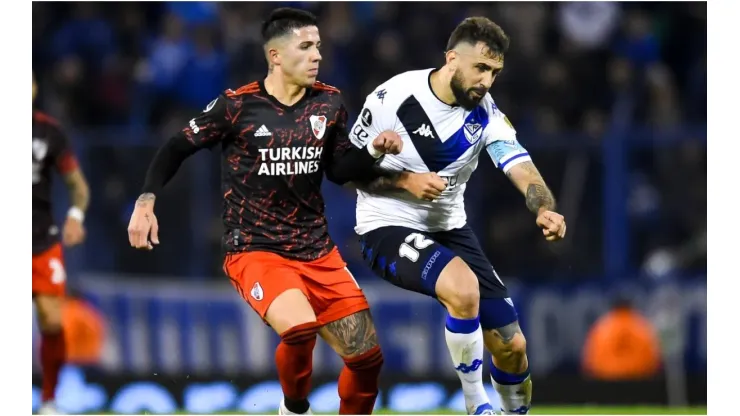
(79, 191)
(528, 180)
(351, 336)
(389, 182)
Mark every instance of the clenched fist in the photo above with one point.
(388, 142)
(427, 186)
(552, 224)
(143, 229)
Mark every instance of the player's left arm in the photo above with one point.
(73, 232)
(514, 160)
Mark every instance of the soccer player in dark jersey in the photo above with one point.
(52, 152)
(278, 137)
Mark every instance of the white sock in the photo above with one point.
(465, 341)
(515, 391)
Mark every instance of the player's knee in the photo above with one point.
(304, 333)
(509, 355)
(458, 289)
(368, 363)
(49, 314)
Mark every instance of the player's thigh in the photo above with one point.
(407, 258)
(496, 307)
(273, 288)
(48, 286)
(333, 290)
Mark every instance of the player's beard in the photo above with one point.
(463, 96)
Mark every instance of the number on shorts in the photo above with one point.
(420, 242)
(58, 275)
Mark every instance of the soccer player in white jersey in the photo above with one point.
(412, 222)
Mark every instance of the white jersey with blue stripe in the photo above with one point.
(437, 138)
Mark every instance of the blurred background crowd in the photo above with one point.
(122, 77)
(609, 98)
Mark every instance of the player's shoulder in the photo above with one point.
(43, 118)
(497, 119)
(321, 87)
(246, 90)
(393, 92)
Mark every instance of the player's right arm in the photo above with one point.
(378, 116)
(204, 131)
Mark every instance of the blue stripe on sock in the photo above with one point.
(504, 378)
(462, 326)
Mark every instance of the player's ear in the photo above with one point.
(451, 60)
(272, 53)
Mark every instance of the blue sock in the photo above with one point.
(515, 390)
(461, 325)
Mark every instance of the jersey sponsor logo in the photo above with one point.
(210, 106)
(262, 132)
(366, 118)
(281, 161)
(318, 126)
(473, 132)
(424, 131)
(257, 293)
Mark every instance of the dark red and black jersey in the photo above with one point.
(273, 159)
(51, 152)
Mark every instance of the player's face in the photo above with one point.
(476, 69)
(301, 56)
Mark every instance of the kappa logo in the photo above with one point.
(424, 131)
(257, 293)
(318, 126)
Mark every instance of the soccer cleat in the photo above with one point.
(282, 410)
(49, 408)
(484, 409)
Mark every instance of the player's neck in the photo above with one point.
(440, 84)
(282, 90)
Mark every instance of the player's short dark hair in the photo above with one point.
(480, 29)
(283, 20)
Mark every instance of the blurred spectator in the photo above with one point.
(588, 25)
(622, 345)
(85, 331)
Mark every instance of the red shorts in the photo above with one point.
(260, 277)
(48, 272)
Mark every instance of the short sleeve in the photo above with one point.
(374, 119)
(502, 144)
(211, 125)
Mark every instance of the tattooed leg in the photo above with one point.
(354, 338)
(510, 370)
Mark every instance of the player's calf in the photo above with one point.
(510, 370)
(292, 316)
(457, 289)
(53, 346)
(355, 340)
